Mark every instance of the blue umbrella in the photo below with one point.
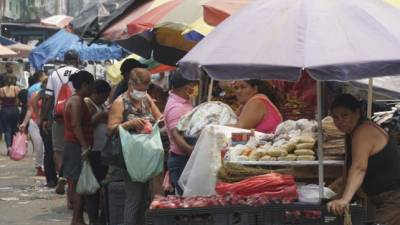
(277, 39)
(62, 41)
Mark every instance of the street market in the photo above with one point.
(205, 112)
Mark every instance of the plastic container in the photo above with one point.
(240, 215)
(114, 203)
(306, 214)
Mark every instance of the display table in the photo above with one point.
(290, 163)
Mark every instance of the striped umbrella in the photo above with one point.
(149, 11)
(214, 12)
(158, 25)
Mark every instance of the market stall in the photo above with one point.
(295, 37)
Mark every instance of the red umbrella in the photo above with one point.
(139, 19)
(216, 11)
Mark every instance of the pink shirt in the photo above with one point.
(176, 108)
(272, 117)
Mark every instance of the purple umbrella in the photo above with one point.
(276, 39)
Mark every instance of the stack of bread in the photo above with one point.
(334, 141)
(293, 141)
(296, 149)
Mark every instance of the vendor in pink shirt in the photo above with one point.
(178, 105)
(259, 108)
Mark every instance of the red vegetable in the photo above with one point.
(271, 185)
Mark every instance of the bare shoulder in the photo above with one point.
(118, 104)
(369, 132)
(255, 105)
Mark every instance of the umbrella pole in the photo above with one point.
(210, 89)
(370, 94)
(320, 142)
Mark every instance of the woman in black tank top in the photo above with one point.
(373, 162)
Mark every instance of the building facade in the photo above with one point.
(11, 10)
(31, 11)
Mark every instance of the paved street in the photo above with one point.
(24, 199)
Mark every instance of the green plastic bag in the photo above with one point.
(143, 154)
(87, 183)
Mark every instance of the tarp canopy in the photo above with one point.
(278, 39)
(387, 86)
(97, 16)
(55, 47)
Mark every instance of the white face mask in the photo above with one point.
(155, 77)
(138, 95)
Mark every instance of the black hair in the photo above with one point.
(177, 80)
(130, 64)
(346, 101)
(101, 86)
(81, 77)
(32, 80)
(71, 57)
(265, 88)
(10, 80)
(36, 76)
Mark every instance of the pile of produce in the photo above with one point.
(232, 172)
(334, 141)
(174, 202)
(272, 185)
(294, 140)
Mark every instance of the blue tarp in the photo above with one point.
(5, 41)
(62, 41)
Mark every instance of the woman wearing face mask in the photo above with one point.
(372, 162)
(259, 106)
(131, 110)
(177, 106)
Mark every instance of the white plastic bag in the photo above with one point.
(87, 183)
(200, 174)
(208, 113)
(310, 193)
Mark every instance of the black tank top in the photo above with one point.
(383, 172)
